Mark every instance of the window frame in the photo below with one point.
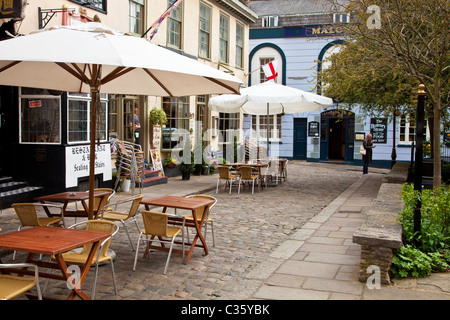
(240, 47)
(230, 118)
(172, 18)
(208, 22)
(223, 40)
(141, 4)
(87, 99)
(37, 96)
(275, 123)
(407, 126)
(174, 119)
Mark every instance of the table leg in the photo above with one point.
(76, 290)
(198, 228)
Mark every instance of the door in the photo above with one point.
(300, 138)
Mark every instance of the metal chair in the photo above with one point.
(79, 257)
(124, 217)
(224, 174)
(156, 225)
(28, 216)
(272, 171)
(247, 176)
(12, 286)
(199, 213)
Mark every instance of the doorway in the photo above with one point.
(300, 138)
(337, 135)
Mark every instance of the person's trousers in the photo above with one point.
(366, 167)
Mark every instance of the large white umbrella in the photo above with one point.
(269, 98)
(93, 58)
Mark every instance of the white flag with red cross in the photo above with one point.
(270, 70)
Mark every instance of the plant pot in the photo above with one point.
(185, 175)
(205, 171)
(198, 170)
(171, 165)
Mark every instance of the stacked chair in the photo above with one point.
(130, 164)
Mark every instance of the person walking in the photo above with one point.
(368, 146)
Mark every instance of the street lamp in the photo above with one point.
(420, 115)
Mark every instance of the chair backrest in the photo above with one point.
(199, 212)
(135, 206)
(155, 223)
(246, 172)
(100, 226)
(97, 200)
(224, 172)
(27, 214)
(273, 166)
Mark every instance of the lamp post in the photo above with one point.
(420, 115)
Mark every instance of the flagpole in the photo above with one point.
(145, 33)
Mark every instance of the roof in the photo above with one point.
(289, 7)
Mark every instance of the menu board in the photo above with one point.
(156, 160)
(378, 129)
(313, 129)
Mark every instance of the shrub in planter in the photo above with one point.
(158, 117)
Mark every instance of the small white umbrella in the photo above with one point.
(91, 57)
(269, 98)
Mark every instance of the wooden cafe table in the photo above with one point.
(53, 241)
(66, 197)
(186, 204)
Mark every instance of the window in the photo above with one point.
(263, 62)
(260, 125)
(40, 118)
(78, 118)
(137, 16)
(228, 125)
(99, 5)
(175, 25)
(270, 21)
(205, 31)
(201, 114)
(223, 41)
(239, 45)
(408, 130)
(177, 111)
(341, 17)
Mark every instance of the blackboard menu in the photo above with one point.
(313, 129)
(378, 129)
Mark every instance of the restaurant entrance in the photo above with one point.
(337, 135)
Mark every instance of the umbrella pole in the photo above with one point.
(95, 87)
(268, 130)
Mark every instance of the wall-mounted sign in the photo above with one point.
(313, 129)
(378, 129)
(77, 163)
(313, 31)
(360, 136)
(10, 9)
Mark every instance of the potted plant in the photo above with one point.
(187, 168)
(158, 117)
(170, 163)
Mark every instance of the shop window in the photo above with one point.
(78, 118)
(177, 127)
(40, 117)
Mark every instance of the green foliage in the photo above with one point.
(434, 236)
(158, 117)
(409, 261)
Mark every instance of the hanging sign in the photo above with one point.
(10, 9)
(378, 129)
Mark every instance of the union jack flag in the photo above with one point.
(157, 23)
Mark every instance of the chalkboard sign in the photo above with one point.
(378, 129)
(313, 129)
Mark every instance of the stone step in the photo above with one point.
(26, 194)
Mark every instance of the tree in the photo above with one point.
(414, 35)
